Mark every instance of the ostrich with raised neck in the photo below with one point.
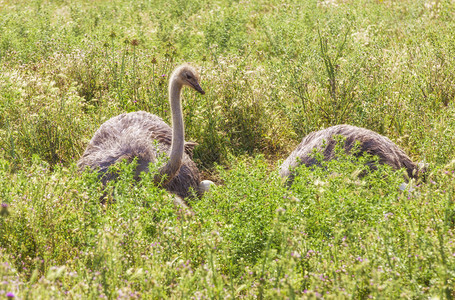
(144, 136)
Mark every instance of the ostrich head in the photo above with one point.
(187, 75)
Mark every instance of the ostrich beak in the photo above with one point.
(194, 84)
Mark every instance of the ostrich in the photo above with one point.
(145, 137)
(370, 142)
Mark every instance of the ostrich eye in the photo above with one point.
(188, 76)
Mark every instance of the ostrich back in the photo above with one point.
(370, 142)
(143, 136)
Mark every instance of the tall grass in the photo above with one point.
(272, 75)
(331, 234)
(273, 72)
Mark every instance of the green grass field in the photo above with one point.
(273, 71)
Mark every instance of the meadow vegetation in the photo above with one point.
(273, 71)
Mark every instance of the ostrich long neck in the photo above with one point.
(178, 133)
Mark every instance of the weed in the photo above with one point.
(273, 72)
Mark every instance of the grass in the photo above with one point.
(273, 72)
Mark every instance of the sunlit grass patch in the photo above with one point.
(273, 72)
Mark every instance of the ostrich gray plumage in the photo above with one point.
(370, 142)
(131, 135)
(146, 137)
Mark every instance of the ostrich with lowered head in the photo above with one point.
(145, 137)
(369, 141)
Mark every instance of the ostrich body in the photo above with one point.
(370, 142)
(146, 137)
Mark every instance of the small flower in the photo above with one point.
(134, 42)
(4, 210)
(10, 295)
(387, 215)
(280, 210)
